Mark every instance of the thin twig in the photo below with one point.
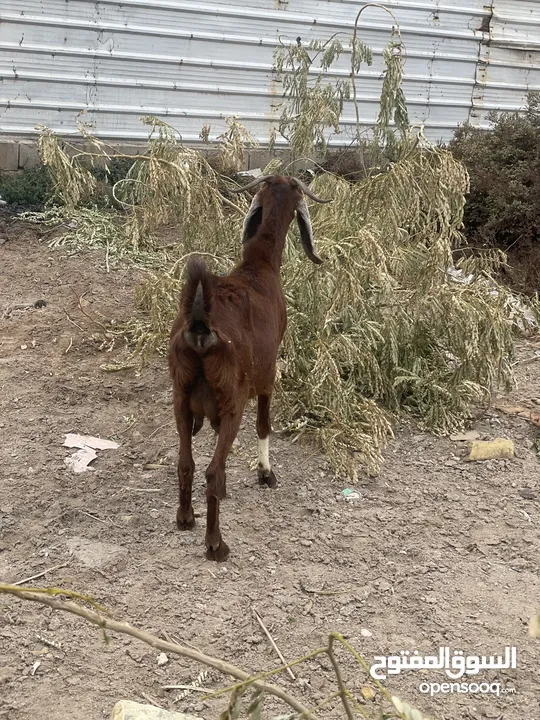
(125, 628)
(353, 55)
(148, 490)
(321, 592)
(101, 325)
(152, 700)
(195, 688)
(229, 203)
(83, 512)
(41, 574)
(270, 673)
(125, 430)
(72, 321)
(342, 689)
(272, 642)
(94, 517)
(158, 429)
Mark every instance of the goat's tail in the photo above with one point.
(199, 335)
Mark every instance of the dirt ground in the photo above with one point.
(435, 552)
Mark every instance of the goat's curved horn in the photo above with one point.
(254, 183)
(308, 192)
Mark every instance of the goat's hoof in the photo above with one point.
(267, 477)
(185, 520)
(219, 554)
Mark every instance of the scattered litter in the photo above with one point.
(87, 444)
(491, 449)
(523, 412)
(350, 494)
(35, 667)
(459, 276)
(520, 313)
(466, 437)
(368, 693)
(80, 460)
(162, 659)
(365, 633)
(82, 441)
(255, 173)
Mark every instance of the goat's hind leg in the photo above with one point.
(264, 470)
(185, 517)
(216, 548)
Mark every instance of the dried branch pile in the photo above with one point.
(387, 324)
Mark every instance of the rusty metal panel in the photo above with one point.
(197, 63)
(509, 58)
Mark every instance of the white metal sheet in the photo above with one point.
(197, 63)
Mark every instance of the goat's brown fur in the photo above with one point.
(224, 345)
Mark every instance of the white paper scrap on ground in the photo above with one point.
(87, 444)
(73, 440)
(79, 461)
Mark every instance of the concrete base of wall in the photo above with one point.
(16, 155)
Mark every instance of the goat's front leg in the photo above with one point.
(185, 518)
(216, 548)
(264, 471)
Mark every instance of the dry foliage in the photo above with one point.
(382, 327)
(387, 324)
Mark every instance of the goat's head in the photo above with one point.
(284, 195)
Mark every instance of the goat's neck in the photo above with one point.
(265, 247)
(269, 241)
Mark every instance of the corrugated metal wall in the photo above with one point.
(197, 63)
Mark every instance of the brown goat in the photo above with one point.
(224, 345)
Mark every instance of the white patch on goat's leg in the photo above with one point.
(266, 476)
(264, 455)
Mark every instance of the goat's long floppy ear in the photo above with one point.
(306, 231)
(253, 219)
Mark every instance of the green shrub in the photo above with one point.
(503, 207)
(30, 188)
